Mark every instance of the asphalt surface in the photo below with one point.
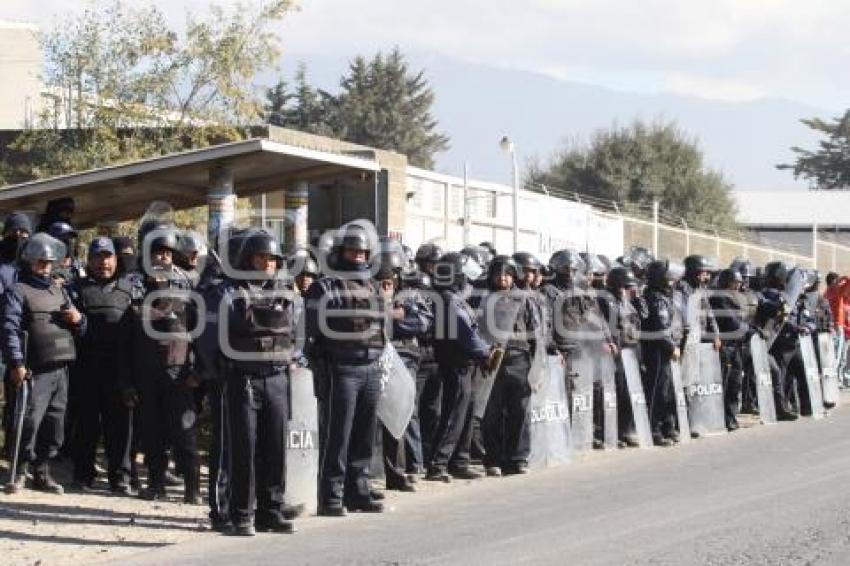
(766, 495)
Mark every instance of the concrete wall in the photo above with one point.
(20, 69)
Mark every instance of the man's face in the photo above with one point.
(529, 277)
(102, 265)
(503, 280)
(265, 263)
(387, 286)
(161, 257)
(303, 282)
(192, 259)
(352, 255)
(704, 277)
(42, 267)
(18, 235)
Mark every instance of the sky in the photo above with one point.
(722, 49)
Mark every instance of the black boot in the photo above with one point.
(42, 481)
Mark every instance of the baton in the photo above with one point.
(21, 401)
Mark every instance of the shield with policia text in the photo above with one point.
(582, 373)
(764, 381)
(605, 377)
(549, 419)
(829, 368)
(302, 442)
(812, 381)
(705, 390)
(681, 403)
(631, 367)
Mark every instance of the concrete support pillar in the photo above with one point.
(221, 201)
(295, 203)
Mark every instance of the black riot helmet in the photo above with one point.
(42, 247)
(594, 264)
(259, 242)
(567, 261)
(478, 254)
(352, 237)
(502, 264)
(727, 277)
(661, 273)
(527, 261)
(618, 278)
(638, 258)
(390, 260)
(62, 231)
(743, 266)
(157, 233)
(449, 272)
(775, 275)
(490, 248)
(303, 263)
(695, 264)
(428, 253)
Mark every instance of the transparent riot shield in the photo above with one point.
(583, 372)
(549, 423)
(605, 370)
(631, 367)
(764, 381)
(538, 375)
(813, 383)
(829, 368)
(482, 386)
(705, 394)
(398, 392)
(302, 443)
(681, 403)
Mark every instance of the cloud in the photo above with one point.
(726, 49)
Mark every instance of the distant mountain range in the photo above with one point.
(477, 105)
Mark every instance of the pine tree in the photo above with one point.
(277, 99)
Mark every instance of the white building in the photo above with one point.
(20, 69)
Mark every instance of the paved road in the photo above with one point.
(766, 495)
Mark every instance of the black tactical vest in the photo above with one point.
(364, 318)
(169, 315)
(49, 341)
(104, 306)
(267, 327)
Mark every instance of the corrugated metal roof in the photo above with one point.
(793, 208)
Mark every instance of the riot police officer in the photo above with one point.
(530, 267)
(774, 320)
(307, 272)
(69, 269)
(16, 229)
(104, 298)
(345, 339)
(727, 304)
(411, 319)
(510, 318)
(428, 383)
(623, 316)
(692, 287)
(458, 348)
(662, 333)
(39, 327)
(162, 380)
(260, 333)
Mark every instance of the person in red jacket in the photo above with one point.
(838, 295)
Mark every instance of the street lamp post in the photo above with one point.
(507, 145)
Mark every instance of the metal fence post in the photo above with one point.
(655, 228)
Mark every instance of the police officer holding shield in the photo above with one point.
(39, 326)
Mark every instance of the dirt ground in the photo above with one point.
(46, 530)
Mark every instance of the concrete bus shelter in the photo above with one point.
(320, 183)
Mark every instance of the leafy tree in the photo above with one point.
(311, 109)
(828, 167)
(126, 86)
(639, 164)
(383, 104)
(277, 99)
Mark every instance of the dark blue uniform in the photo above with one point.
(458, 348)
